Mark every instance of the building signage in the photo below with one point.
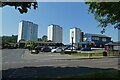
(89, 38)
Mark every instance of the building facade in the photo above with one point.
(118, 34)
(98, 40)
(55, 33)
(75, 33)
(27, 31)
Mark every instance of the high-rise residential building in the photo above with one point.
(55, 33)
(27, 31)
(75, 33)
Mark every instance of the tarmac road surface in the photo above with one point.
(20, 63)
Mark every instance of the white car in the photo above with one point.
(70, 48)
(57, 50)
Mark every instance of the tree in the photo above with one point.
(6, 40)
(21, 40)
(106, 13)
(31, 44)
(21, 5)
(9, 39)
(39, 39)
(44, 38)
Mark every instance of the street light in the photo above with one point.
(72, 36)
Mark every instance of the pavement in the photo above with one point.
(20, 63)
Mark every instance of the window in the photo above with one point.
(95, 38)
(103, 39)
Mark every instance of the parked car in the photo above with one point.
(79, 48)
(70, 48)
(64, 48)
(46, 49)
(52, 47)
(38, 48)
(86, 49)
(59, 49)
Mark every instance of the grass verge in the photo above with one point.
(90, 54)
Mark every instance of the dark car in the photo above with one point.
(79, 48)
(46, 49)
(86, 49)
(38, 48)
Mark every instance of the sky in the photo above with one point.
(65, 14)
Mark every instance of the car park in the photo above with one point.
(59, 49)
(78, 48)
(70, 48)
(38, 48)
(45, 49)
(86, 49)
(52, 47)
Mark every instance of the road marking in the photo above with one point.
(5, 62)
(9, 62)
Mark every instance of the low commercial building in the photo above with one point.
(95, 40)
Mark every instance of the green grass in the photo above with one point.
(86, 54)
(90, 54)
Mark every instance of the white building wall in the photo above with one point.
(55, 33)
(20, 32)
(76, 35)
(50, 32)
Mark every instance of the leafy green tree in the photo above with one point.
(106, 13)
(21, 40)
(9, 39)
(6, 40)
(44, 38)
(40, 39)
(22, 6)
(49, 41)
(31, 44)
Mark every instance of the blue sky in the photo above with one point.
(65, 14)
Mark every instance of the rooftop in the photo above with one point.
(100, 35)
(75, 28)
(54, 25)
(28, 22)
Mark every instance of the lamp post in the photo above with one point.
(72, 36)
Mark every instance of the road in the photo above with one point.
(9, 55)
(20, 63)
